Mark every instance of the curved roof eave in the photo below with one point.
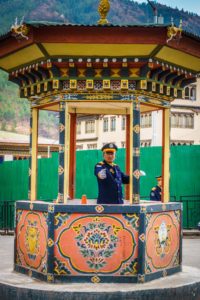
(146, 25)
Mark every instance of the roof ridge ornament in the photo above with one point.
(103, 9)
(173, 32)
(19, 31)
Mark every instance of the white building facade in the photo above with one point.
(95, 131)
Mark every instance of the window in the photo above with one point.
(78, 127)
(123, 123)
(89, 126)
(105, 124)
(145, 143)
(91, 146)
(79, 147)
(187, 93)
(190, 121)
(113, 124)
(181, 143)
(190, 92)
(173, 120)
(146, 120)
(182, 120)
(193, 93)
(123, 144)
(22, 157)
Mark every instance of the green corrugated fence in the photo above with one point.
(184, 177)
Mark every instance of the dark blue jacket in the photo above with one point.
(110, 188)
(155, 194)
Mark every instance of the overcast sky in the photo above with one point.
(189, 5)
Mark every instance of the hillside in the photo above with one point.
(15, 117)
(15, 112)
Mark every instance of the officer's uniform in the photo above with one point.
(156, 191)
(155, 194)
(110, 188)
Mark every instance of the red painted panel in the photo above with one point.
(162, 241)
(100, 35)
(87, 244)
(31, 242)
(11, 44)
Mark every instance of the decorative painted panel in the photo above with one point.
(162, 241)
(31, 240)
(96, 244)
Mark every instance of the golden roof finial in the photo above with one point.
(20, 30)
(173, 32)
(103, 9)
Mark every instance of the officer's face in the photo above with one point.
(160, 182)
(109, 156)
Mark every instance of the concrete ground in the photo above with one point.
(181, 286)
(191, 252)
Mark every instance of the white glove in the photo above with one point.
(142, 173)
(102, 174)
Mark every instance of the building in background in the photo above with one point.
(94, 131)
(14, 146)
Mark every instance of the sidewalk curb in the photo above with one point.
(190, 233)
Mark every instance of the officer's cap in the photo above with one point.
(159, 177)
(110, 147)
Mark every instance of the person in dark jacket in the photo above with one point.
(110, 178)
(156, 191)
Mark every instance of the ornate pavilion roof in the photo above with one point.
(47, 57)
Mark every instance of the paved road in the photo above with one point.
(191, 252)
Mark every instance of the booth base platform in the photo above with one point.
(184, 285)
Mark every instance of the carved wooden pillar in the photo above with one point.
(33, 154)
(72, 165)
(67, 148)
(127, 193)
(165, 154)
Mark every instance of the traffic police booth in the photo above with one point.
(99, 69)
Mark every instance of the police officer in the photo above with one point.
(156, 191)
(109, 177)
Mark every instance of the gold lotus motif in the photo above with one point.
(99, 208)
(95, 279)
(50, 208)
(50, 242)
(60, 170)
(136, 129)
(50, 278)
(141, 278)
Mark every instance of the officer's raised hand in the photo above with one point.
(102, 174)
